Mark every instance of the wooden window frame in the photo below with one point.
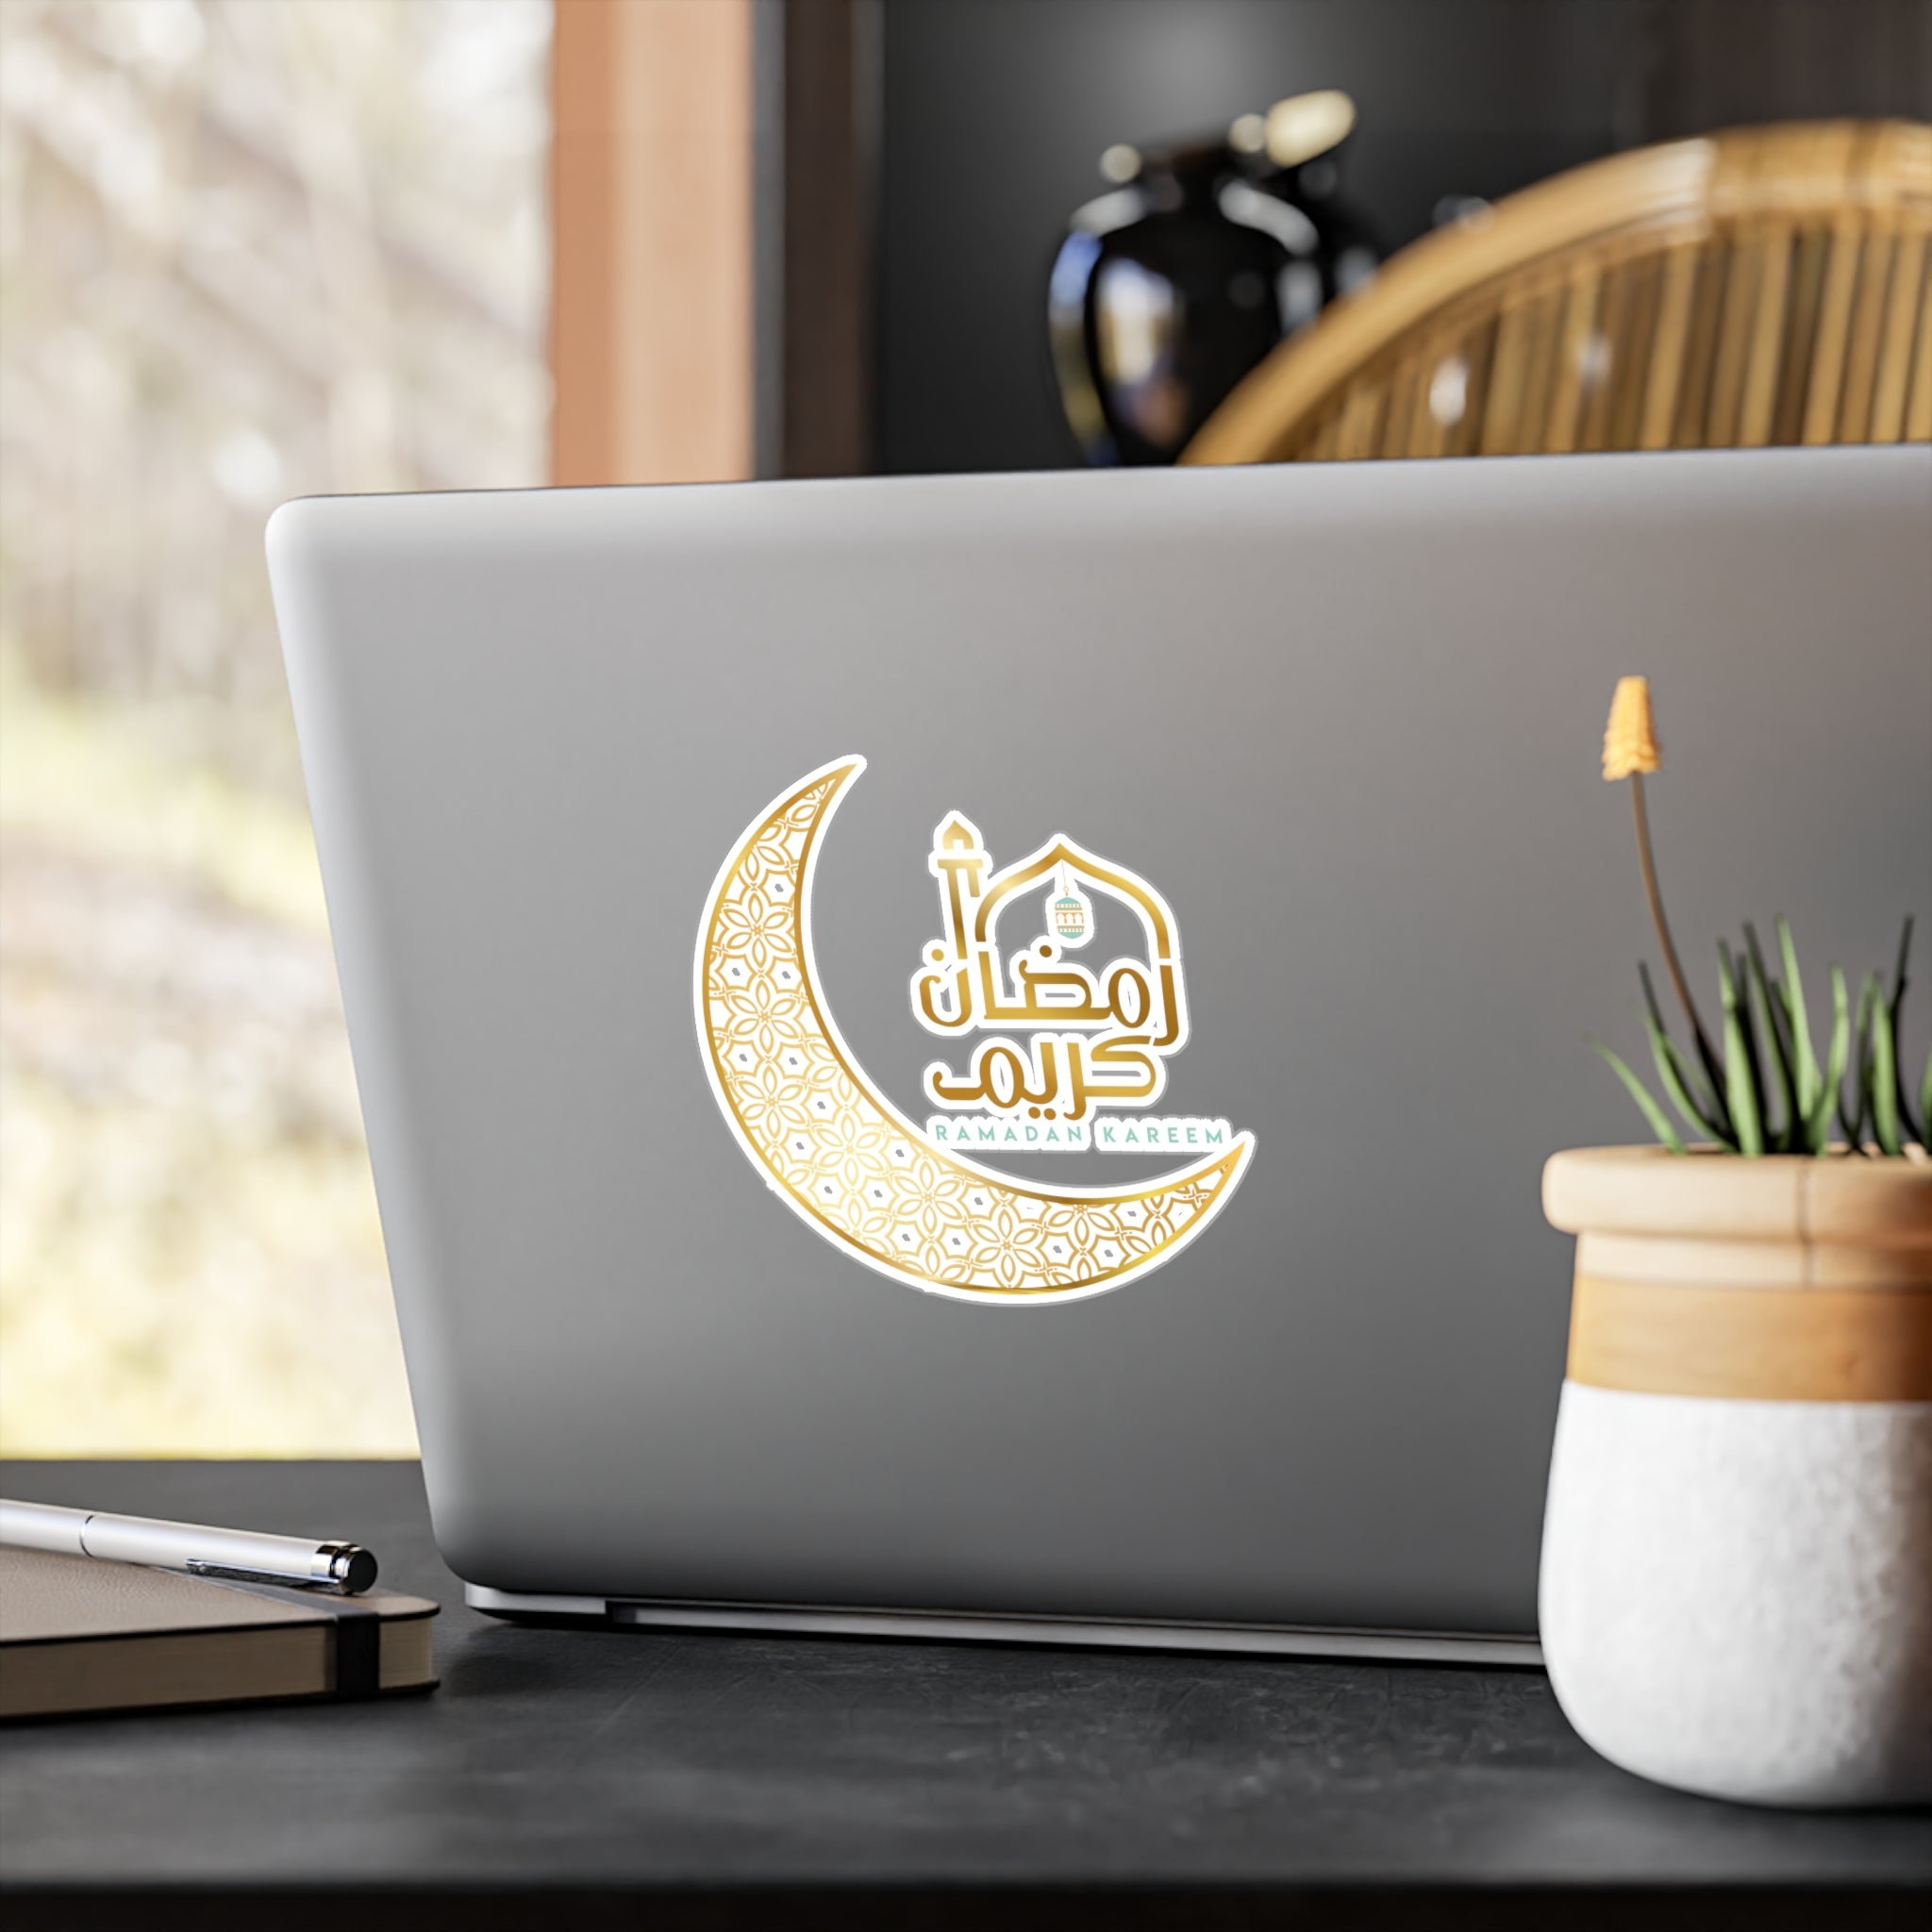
(712, 169)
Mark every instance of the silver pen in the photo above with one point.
(243, 1556)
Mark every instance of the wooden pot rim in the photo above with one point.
(1843, 1199)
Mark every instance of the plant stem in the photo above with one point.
(1648, 864)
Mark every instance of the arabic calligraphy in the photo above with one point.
(1097, 1037)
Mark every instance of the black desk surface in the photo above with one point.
(593, 1777)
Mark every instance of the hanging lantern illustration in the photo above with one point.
(1069, 915)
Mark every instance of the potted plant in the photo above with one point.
(1737, 1570)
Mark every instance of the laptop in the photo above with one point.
(973, 1056)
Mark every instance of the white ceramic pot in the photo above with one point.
(1736, 1567)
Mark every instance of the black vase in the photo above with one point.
(1168, 291)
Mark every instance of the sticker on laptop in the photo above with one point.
(1076, 1054)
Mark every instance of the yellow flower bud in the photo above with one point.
(1630, 738)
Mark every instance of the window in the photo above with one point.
(247, 252)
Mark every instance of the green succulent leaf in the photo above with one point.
(1754, 1060)
(1885, 1124)
(1659, 1121)
(1703, 1107)
(1766, 993)
(1921, 1129)
(1818, 1126)
(1739, 1093)
(1675, 1073)
(1803, 1062)
(1853, 1120)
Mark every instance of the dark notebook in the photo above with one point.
(78, 1635)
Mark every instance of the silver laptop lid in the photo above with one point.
(775, 920)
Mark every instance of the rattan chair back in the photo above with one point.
(1765, 286)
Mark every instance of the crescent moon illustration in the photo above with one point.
(841, 1156)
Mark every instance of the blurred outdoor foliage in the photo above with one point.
(249, 250)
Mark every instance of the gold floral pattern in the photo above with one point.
(843, 1157)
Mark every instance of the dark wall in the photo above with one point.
(995, 112)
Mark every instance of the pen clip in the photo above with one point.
(229, 1573)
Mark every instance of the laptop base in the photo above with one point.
(1254, 1639)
